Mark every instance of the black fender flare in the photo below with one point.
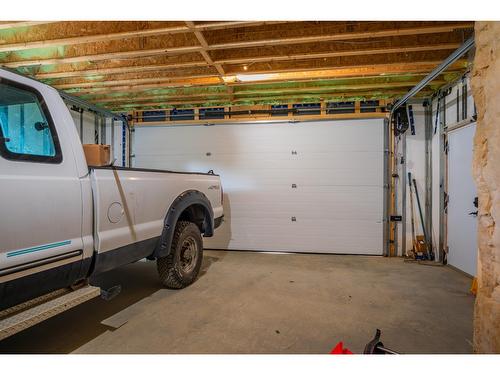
(183, 201)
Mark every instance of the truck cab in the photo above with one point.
(63, 221)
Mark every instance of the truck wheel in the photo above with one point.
(180, 268)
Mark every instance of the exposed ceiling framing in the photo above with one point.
(145, 65)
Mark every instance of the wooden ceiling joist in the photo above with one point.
(243, 44)
(353, 52)
(84, 39)
(294, 76)
(131, 82)
(158, 84)
(106, 56)
(337, 96)
(158, 63)
(218, 63)
(297, 87)
(121, 70)
(306, 92)
(204, 46)
(16, 24)
(230, 79)
(343, 36)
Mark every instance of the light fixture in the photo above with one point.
(255, 77)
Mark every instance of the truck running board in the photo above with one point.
(27, 314)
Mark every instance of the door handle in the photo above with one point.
(473, 213)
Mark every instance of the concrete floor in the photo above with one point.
(249, 302)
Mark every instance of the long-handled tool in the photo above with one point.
(412, 211)
(426, 238)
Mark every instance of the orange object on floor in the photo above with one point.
(473, 287)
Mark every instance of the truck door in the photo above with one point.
(40, 195)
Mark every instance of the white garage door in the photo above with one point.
(302, 187)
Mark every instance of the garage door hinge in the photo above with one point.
(294, 152)
(294, 218)
(294, 186)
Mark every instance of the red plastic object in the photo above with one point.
(339, 349)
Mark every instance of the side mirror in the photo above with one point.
(40, 125)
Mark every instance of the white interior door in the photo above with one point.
(304, 187)
(462, 225)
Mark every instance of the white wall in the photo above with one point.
(415, 159)
(415, 163)
(448, 121)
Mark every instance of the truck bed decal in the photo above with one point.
(38, 248)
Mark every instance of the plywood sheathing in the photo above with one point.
(103, 60)
(486, 91)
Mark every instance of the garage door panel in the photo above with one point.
(335, 202)
(251, 138)
(336, 166)
(273, 174)
(330, 236)
(346, 138)
(236, 177)
(322, 160)
(244, 139)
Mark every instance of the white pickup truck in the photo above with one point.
(62, 221)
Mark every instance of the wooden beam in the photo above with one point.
(334, 88)
(234, 24)
(121, 70)
(272, 77)
(354, 52)
(136, 81)
(166, 99)
(338, 116)
(344, 36)
(192, 82)
(302, 74)
(204, 53)
(105, 56)
(367, 70)
(11, 47)
(240, 95)
(100, 99)
(218, 63)
(15, 24)
(242, 44)
(281, 99)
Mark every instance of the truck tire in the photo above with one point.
(180, 268)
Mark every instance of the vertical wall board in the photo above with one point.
(437, 180)
(415, 163)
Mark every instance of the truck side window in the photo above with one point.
(26, 130)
